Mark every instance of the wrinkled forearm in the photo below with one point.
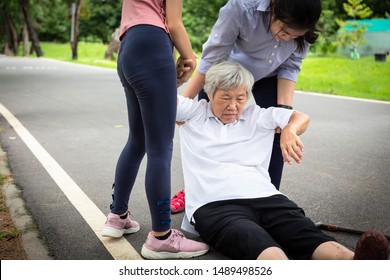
(298, 123)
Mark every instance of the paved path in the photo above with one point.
(63, 126)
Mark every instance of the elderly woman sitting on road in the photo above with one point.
(230, 200)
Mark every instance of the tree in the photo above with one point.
(25, 39)
(379, 7)
(10, 23)
(11, 44)
(199, 17)
(352, 33)
(99, 19)
(51, 18)
(114, 45)
(356, 8)
(75, 16)
(31, 30)
(328, 30)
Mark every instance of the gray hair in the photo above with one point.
(227, 75)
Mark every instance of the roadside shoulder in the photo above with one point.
(22, 219)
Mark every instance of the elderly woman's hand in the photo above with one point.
(291, 145)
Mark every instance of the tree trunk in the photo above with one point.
(14, 36)
(8, 42)
(11, 47)
(114, 45)
(25, 40)
(31, 29)
(74, 42)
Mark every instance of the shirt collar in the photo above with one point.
(264, 6)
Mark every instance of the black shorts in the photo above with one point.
(243, 228)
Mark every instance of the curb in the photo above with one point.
(33, 245)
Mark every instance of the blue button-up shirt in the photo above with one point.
(242, 34)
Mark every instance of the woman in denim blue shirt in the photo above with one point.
(270, 38)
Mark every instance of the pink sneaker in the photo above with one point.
(178, 202)
(116, 227)
(175, 247)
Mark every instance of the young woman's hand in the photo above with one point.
(184, 69)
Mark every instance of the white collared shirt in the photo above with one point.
(222, 162)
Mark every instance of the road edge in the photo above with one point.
(32, 243)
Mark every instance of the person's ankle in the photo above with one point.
(124, 215)
(162, 235)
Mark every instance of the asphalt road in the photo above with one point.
(73, 125)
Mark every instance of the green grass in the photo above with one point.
(362, 78)
(88, 53)
(7, 231)
(11, 233)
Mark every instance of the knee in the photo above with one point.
(272, 253)
(332, 250)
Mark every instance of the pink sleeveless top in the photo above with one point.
(135, 12)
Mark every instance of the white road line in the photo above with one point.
(120, 248)
(342, 97)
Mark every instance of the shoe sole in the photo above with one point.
(116, 233)
(372, 245)
(152, 255)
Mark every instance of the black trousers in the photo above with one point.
(265, 92)
(243, 228)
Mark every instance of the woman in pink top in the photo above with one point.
(150, 29)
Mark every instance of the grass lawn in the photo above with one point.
(362, 78)
(88, 53)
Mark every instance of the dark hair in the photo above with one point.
(299, 14)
